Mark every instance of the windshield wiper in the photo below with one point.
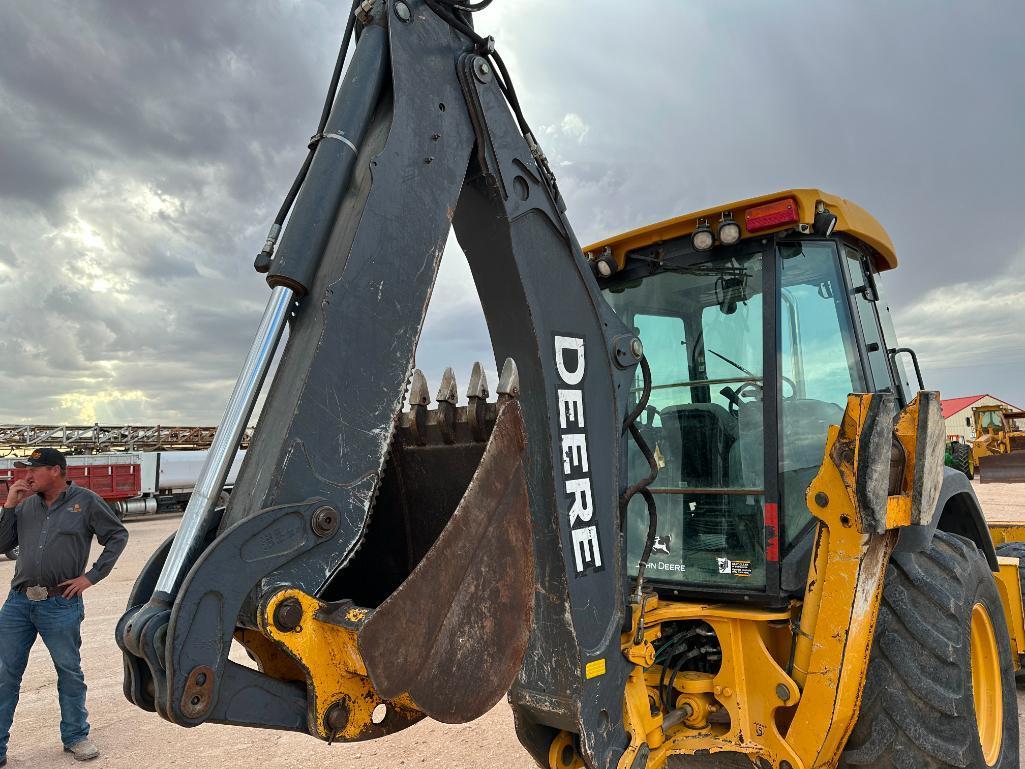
(733, 363)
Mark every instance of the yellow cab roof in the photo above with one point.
(851, 219)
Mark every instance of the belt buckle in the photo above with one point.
(37, 593)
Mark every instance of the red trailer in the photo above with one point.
(135, 482)
(113, 477)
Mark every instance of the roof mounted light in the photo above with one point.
(728, 231)
(603, 263)
(702, 238)
(770, 215)
(824, 222)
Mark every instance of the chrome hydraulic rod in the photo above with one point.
(291, 274)
(188, 540)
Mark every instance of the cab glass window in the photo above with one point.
(890, 342)
(862, 295)
(819, 369)
(990, 420)
(701, 323)
(665, 346)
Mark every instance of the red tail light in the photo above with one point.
(771, 215)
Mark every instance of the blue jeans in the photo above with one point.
(58, 621)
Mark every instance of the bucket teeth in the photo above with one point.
(419, 392)
(448, 392)
(419, 397)
(477, 406)
(448, 397)
(449, 423)
(508, 381)
(478, 382)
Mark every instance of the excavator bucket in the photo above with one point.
(433, 613)
(463, 614)
(1003, 468)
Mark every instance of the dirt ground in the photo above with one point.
(1001, 501)
(130, 738)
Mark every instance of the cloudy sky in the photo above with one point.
(145, 146)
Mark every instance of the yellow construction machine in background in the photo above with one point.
(998, 450)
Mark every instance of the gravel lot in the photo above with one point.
(130, 738)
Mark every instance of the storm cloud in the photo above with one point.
(144, 148)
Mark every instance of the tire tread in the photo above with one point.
(917, 709)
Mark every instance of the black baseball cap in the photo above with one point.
(44, 458)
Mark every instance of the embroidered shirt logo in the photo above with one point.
(76, 508)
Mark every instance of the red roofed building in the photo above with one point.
(957, 412)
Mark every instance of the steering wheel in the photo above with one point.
(752, 391)
(760, 388)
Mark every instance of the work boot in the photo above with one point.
(83, 750)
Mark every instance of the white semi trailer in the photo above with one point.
(167, 479)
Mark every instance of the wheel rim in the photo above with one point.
(987, 684)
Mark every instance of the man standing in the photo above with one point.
(53, 522)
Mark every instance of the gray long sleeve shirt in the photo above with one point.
(54, 542)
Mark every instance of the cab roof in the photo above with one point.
(851, 219)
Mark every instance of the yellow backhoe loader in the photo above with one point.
(705, 522)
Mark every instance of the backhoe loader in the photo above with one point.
(705, 521)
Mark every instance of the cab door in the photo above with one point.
(864, 292)
(822, 360)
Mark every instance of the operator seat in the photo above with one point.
(699, 438)
(805, 424)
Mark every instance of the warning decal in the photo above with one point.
(736, 568)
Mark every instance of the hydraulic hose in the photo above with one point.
(263, 259)
(641, 486)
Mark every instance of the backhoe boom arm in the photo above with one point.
(421, 138)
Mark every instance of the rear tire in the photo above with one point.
(918, 707)
(961, 459)
(12, 554)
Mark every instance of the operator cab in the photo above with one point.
(998, 419)
(758, 319)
